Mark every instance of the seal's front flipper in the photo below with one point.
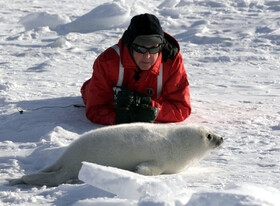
(149, 168)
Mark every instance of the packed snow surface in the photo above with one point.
(231, 51)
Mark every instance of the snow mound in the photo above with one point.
(238, 194)
(144, 190)
(61, 42)
(132, 186)
(42, 19)
(105, 16)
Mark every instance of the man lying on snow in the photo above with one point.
(141, 79)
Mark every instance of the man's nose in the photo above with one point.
(147, 54)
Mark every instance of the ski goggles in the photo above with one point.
(143, 50)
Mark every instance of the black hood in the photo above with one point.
(170, 47)
(143, 24)
(148, 24)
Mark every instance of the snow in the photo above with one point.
(231, 51)
(105, 16)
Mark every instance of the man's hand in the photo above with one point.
(134, 107)
(143, 110)
(124, 97)
(124, 100)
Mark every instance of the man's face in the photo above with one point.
(145, 60)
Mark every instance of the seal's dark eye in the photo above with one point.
(209, 137)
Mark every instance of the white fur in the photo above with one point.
(148, 149)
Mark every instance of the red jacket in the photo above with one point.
(174, 102)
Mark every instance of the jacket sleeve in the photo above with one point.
(100, 108)
(174, 103)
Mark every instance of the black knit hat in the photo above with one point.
(145, 30)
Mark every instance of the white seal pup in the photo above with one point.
(146, 148)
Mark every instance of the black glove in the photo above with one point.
(124, 97)
(145, 113)
(142, 108)
(123, 102)
(123, 115)
(134, 107)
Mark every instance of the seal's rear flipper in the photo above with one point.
(18, 181)
(45, 178)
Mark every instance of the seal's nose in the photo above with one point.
(219, 142)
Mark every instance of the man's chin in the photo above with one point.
(145, 67)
